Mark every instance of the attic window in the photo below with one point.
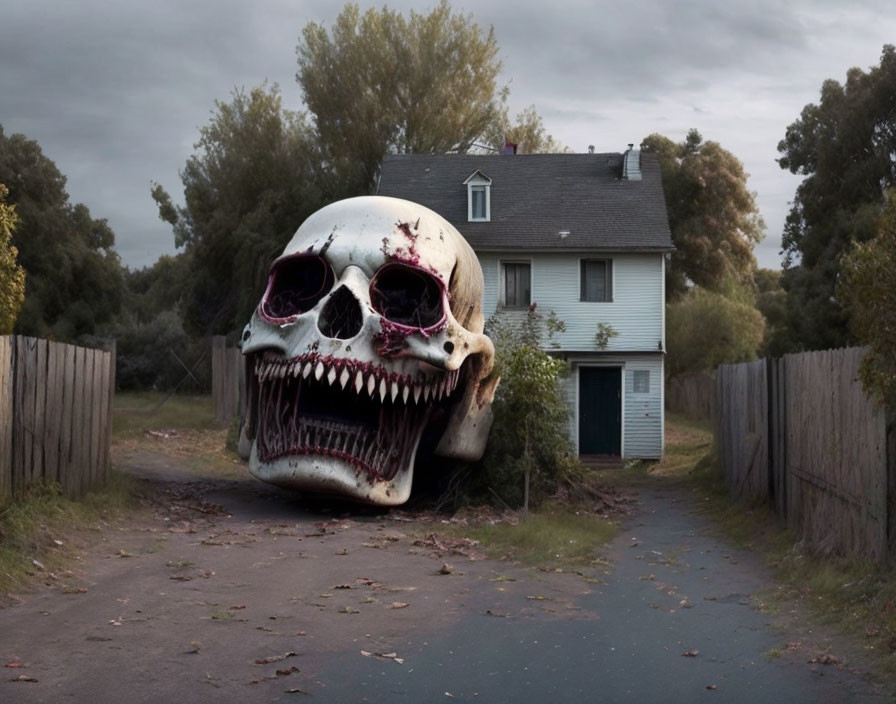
(478, 197)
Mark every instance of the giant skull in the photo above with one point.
(369, 331)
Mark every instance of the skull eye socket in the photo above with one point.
(295, 286)
(407, 296)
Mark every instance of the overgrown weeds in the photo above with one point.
(40, 532)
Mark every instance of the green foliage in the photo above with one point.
(705, 329)
(714, 219)
(844, 147)
(158, 353)
(12, 276)
(868, 289)
(246, 190)
(604, 334)
(529, 433)
(74, 282)
(771, 301)
(381, 83)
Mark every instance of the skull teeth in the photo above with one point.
(376, 382)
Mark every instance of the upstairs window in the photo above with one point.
(596, 280)
(517, 284)
(478, 197)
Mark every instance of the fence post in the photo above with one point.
(5, 418)
(891, 495)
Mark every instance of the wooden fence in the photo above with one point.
(227, 371)
(800, 433)
(55, 415)
(693, 396)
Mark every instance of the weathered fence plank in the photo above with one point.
(55, 413)
(6, 427)
(743, 426)
(836, 456)
(801, 432)
(693, 396)
(226, 363)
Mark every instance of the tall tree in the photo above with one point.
(868, 290)
(12, 275)
(527, 132)
(381, 83)
(74, 279)
(246, 190)
(844, 147)
(713, 217)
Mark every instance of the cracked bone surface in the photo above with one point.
(367, 341)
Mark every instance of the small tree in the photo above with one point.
(868, 290)
(529, 451)
(12, 276)
(705, 329)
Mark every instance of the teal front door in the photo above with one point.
(600, 410)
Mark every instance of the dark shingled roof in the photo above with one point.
(535, 196)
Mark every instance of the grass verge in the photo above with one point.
(181, 426)
(850, 596)
(40, 532)
(555, 537)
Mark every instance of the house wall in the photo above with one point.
(642, 413)
(636, 312)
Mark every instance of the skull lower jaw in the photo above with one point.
(332, 475)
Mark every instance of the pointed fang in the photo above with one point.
(382, 390)
(319, 371)
(394, 390)
(359, 382)
(344, 377)
(405, 393)
(331, 377)
(306, 370)
(371, 384)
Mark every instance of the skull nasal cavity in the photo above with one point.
(341, 317)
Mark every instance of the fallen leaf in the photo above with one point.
(296, 690)
(690, 653)
(711, 686)
(24, 678)
(343, 586)
(349, 610)
(275, 658)
(14, 664)
(125, 553)
(446, 569)
(399, 604)
(284, 673)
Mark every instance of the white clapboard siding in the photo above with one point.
(636, 312)
(642, 413)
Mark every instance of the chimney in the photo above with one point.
(509, 147)
(631, 164)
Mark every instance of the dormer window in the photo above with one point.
(478, 197)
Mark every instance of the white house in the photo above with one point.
(584, 235)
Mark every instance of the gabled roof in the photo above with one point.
(535, 196)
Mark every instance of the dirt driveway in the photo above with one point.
(233, 591)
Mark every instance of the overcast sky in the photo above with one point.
(115, 90)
